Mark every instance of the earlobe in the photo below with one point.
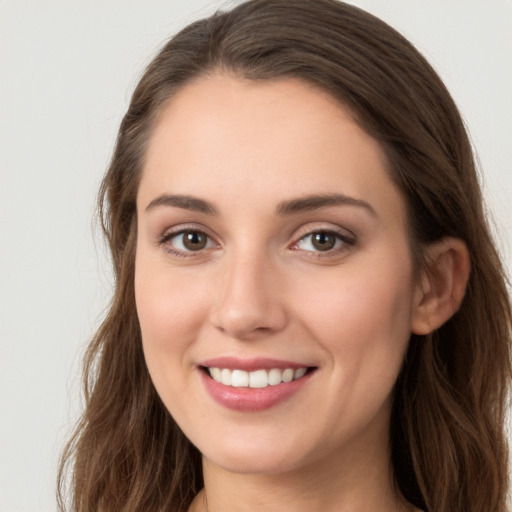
(442, 286)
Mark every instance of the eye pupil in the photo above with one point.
(323, 241)
(194, 241)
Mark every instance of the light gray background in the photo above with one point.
(67, 70)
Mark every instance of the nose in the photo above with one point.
(248, 301)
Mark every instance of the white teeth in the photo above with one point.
(239, 379)
(274, 377)
(287, 375)
(216, 373)
(255, 379)
(225, 377)
(299, 372)
(258, 379)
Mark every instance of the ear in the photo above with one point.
(442, 285)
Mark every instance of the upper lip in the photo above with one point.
(251, 364)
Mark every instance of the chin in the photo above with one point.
(240, 464)
(263, 458)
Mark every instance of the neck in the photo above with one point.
(346, 482)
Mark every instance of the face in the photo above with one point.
(274, 282)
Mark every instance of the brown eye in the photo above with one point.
(323, 240)
(194, 240)
(186, 242)
(329, 242)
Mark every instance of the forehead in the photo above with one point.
(263, 140)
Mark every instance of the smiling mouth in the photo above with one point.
(255, 379)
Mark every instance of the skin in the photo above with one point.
(261, 289)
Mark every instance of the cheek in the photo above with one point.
(363, 324)
(170, 308)
(363, 315)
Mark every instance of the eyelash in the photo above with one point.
(345, 242)
(165, 240)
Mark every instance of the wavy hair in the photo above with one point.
(449, 450)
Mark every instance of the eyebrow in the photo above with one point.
(315, 202)
(290, 207)
(186, 202)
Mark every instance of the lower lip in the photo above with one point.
(252, 399)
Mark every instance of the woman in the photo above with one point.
(309, 310)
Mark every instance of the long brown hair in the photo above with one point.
(449, 450)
